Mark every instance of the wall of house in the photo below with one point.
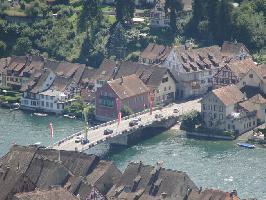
(30, 101)
(166, 90)
(105, 111)
(241, 125)
(213, 111)
(250, 79)
(50, 104)
(106, 108)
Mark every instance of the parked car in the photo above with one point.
(138, 119)
(108, 131)
(158, 116)
(176, 110)
(78, 140)
(134, 122)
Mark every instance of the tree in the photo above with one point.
(126, 111)
(224, 21)
(198, 12)
(249, 26)
(174, 6)
(90, 12)
(117, 42)
(213, 10)
(23, 46)
(124, 10)
(2, 48)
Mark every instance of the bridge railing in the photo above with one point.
(106, 124)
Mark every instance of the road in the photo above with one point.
(96, 134)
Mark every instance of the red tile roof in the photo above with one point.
(229, 94)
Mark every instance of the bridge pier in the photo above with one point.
(121, 140)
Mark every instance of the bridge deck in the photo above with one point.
(96, 134)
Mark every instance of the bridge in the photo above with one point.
(161, 118)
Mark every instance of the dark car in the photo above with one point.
(133, 122)
(108, 131)
(84, 141)
(158, 116)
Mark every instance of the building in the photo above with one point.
(159, 80)
(25, 169)
(53, 87)
(130, 91)
(154, 54)
(227, 108)
(193, 69)
(18, 69)
(233, 72)
(158, 17)
(141, 181)
(234, 51)
(49, 194)
(212, 194)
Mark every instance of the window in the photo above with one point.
(204, 107)
(221, 116)
(169, 88)
(58, 106)
(253, 123)
(164, 80)
(251, 76)
(244, 83)
(42, 103)
(51, 105)
(51, 97)
(214, 107)
(214, 115)
(47, 105)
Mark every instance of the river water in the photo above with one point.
(210, 164)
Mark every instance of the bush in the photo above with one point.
(190, 120)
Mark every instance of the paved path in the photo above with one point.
(96, 136)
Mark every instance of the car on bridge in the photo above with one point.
(108, 131)
(157, 116)
(133, 122)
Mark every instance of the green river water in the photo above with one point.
(210, 164)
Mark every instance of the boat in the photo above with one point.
(246, 145)
(70, 116)
(14, 106)
(40, 114)
(38, 143)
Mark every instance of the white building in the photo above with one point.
(193, 69)
(227, 108)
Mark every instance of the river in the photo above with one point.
(210, 164)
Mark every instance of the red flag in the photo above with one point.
(51, 133)
(119, 114)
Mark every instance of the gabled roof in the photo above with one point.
(156, 52)
(247, 105)
(151, 75)
(199, 59)
(151, 182)
(241, 67)
(258, 99)
(128, 86)
(56, 193)
(232, 48)
(229, 94)
(25, 168)
(210, 194)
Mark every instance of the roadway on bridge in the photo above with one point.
(97, 135)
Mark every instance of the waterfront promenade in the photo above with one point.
(96, 134)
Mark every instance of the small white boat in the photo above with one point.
(246, 145)
(38, 143)
(40, 114)
(14, 106)
(70, 117)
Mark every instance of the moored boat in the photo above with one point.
(70, 116)
(40, 114)
(246, 145)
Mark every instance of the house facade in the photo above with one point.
(159, 80)
(233, 72)
(193, 69)
(154, 54)
(158, 17)
(226, 108)
(129, 91)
